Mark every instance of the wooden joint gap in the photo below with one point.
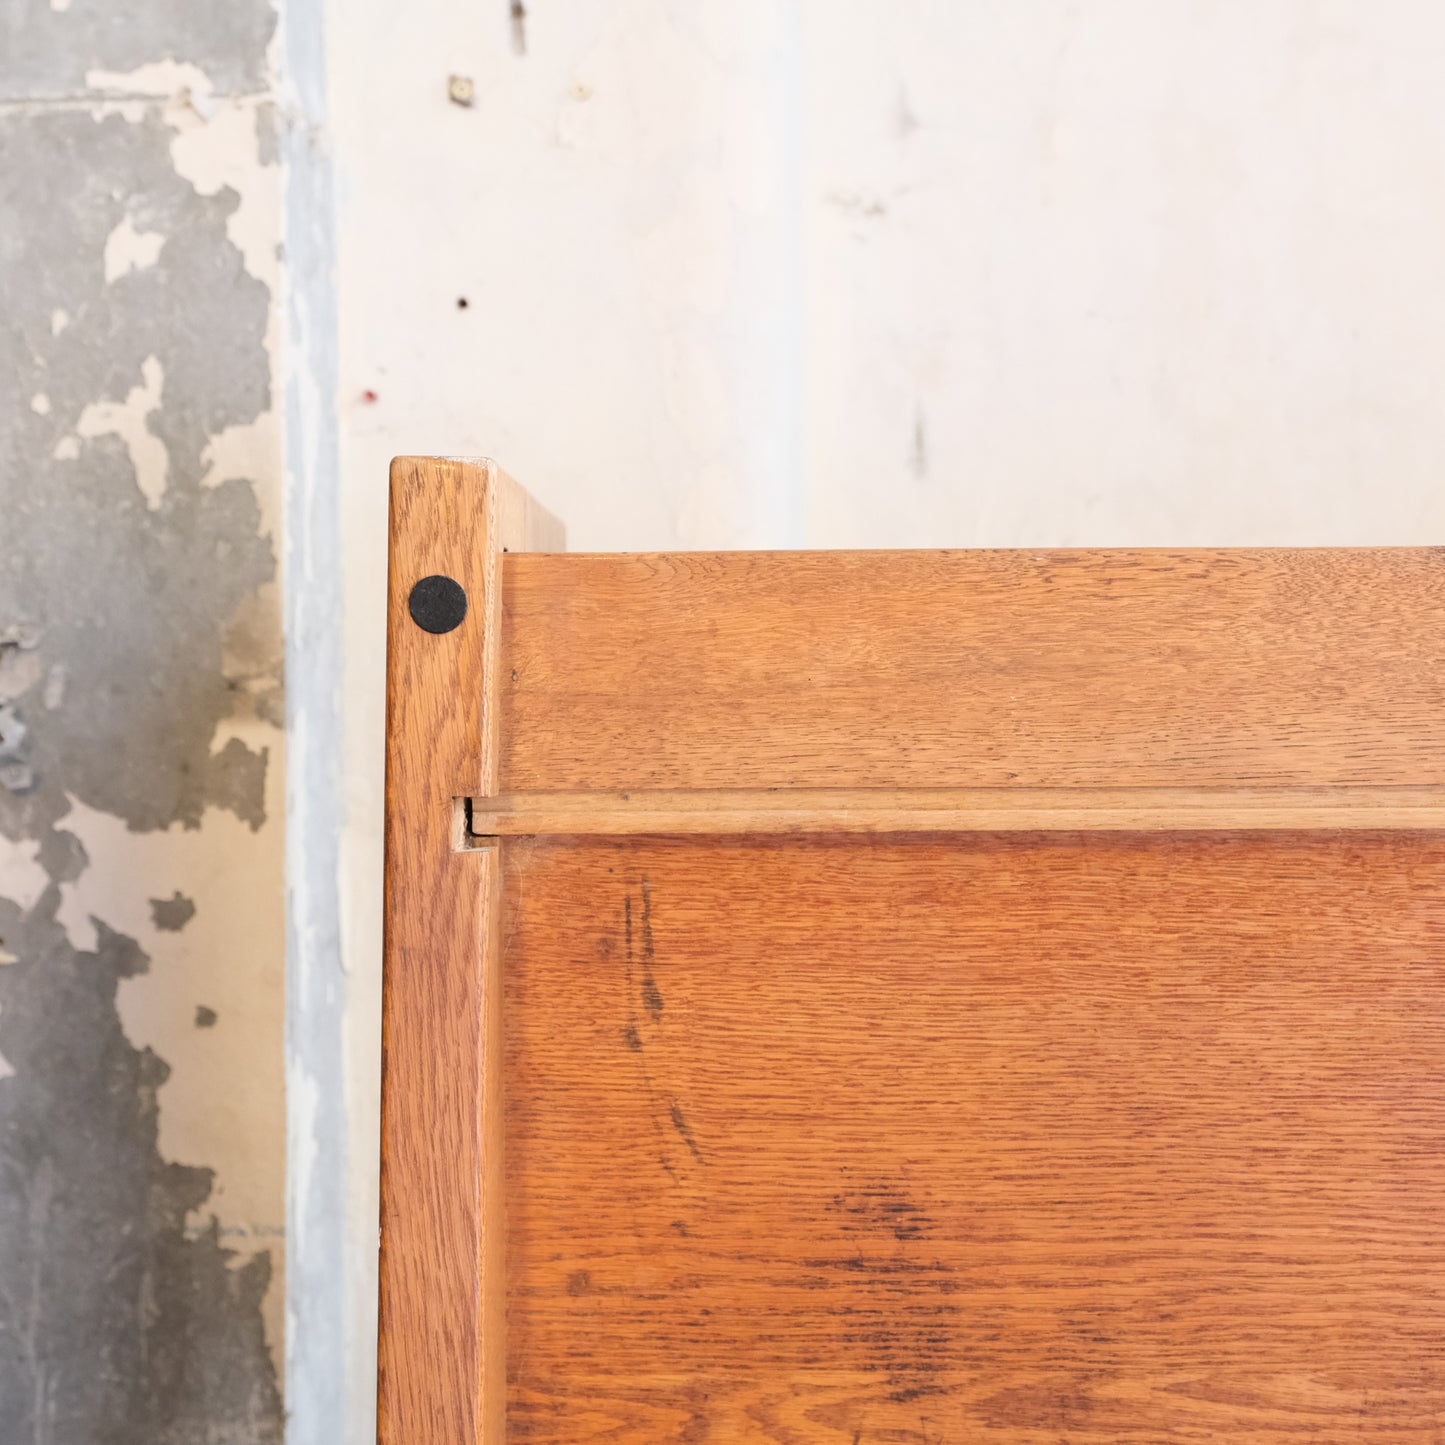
(465, 837)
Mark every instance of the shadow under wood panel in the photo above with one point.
(1028, 1138)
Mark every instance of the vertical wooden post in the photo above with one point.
(441, 1347)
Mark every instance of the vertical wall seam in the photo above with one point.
(319, 1328)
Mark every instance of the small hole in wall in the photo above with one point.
(461, 303)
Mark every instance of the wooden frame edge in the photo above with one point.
(441, 1355)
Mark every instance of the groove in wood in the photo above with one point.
(949, 810)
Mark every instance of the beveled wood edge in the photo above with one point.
(523, 524)
(948, 810)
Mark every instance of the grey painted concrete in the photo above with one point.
(49, 50)
(121, 1321)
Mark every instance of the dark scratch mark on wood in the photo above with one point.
(915, 1392)
(882, 1206)
(883, 1227)
(632, 1034)
(679, 1122)
(651, 994)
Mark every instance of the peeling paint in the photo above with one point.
(129, 420)
(190, 555)
(162, 79)
(119, 1326)
(49, 49)
(22, 878)
(141, 909)
(221, 883)
(127, 249)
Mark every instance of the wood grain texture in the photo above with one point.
(969, 810)
(1020, 1138)
(441, 1356)
(935, 1127)
(973, 669)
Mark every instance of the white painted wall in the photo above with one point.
(791, 273)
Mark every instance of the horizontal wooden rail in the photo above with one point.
(883, 670)
(915, 810)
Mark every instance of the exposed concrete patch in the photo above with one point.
(140, 666)
(238, 780)
(223, 881)
(170, 915)
(49, 49)
(119, 1325)
(219, 155)
(83, 546)
(62, 856)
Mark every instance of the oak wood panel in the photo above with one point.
(912, 810)
(440, 1342)
(973, 669)
(1029, 1138)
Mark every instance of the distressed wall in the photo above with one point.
(141, 1123)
